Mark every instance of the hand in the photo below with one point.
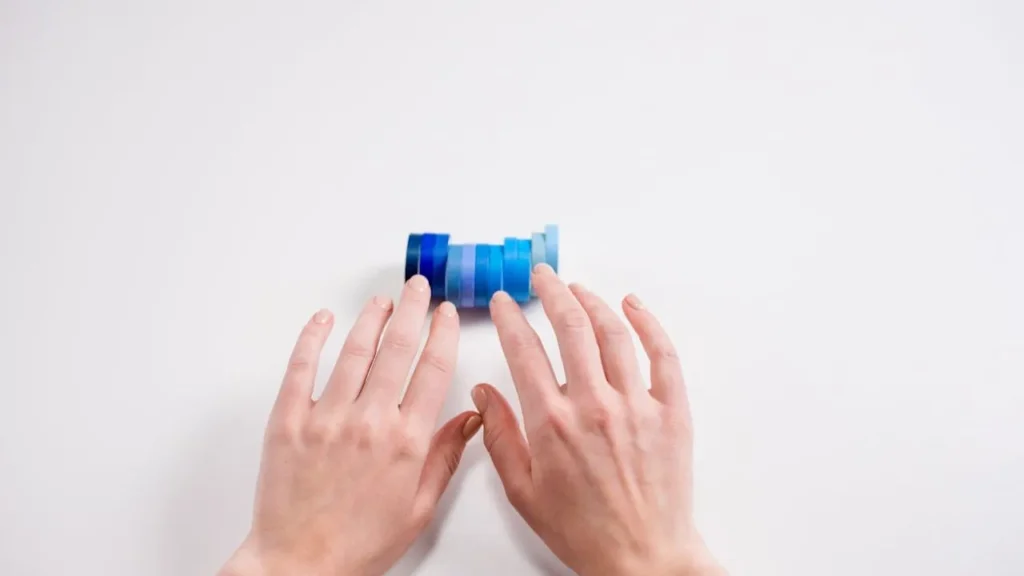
(347, 482)
(605, 479)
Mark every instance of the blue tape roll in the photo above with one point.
(497, 278)
(427, 254)
(523, 258)
(412, 256)
(440, 263)
(453, 275)
(551, 245)
(537, 253)
(480, 295)
(468, 269)
(509, 281)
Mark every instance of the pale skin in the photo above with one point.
(602, 473)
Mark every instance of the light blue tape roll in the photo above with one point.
(468, 266)
(453, 275)
(551, 246)
(537, 250)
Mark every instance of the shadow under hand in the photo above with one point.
(525, 539)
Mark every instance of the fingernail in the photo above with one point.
(479, 398)
(470, 428)
(419, 283)
(577, 287)
(543, 268)
(382, 301)
(446, 309)
(322, 317)
(634, 302)
(500, 297)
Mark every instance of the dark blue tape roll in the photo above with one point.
(480, 295)
(468, 267)
(453, 275)
(427, 245)
(440, 264)
(497, 280)
(412, 256)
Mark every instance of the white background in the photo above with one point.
(821, 199)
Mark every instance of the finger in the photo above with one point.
(429, 385)
(296, 395)
(398, 348)
(505, 443)
(666, 372)
(531, 369)
(618, 356)
(356, 356)
(576, 341)
(444, 456)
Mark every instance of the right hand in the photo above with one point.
(605, 477)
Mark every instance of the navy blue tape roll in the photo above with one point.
(497, 278)
(440, 263)
(468, 268)
(427, 244)
(453, 275)
(412, 256)
(480, 295)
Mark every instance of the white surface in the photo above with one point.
(823, 201)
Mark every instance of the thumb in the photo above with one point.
(505, 443)
(444, 456)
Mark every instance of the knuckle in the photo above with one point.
(318, 432)
(665, 352)
(520, 340)
(438, 362)
(601, 417)
(612, 329)
(300, 364)
(359, 432)
(573, 319)
(557, 422)
(359, 350)
(452, 460)
(400, 342)
(408, 445)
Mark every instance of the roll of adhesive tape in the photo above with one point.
(412, 256)
(440, 263)
(497, 276)
(468, 266)
(453, 275)
(427, 244)
(551, 246)
(480, 295)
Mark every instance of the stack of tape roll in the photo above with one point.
(467, 275)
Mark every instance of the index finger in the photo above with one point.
(531, 369)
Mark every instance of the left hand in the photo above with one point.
(347, 482)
